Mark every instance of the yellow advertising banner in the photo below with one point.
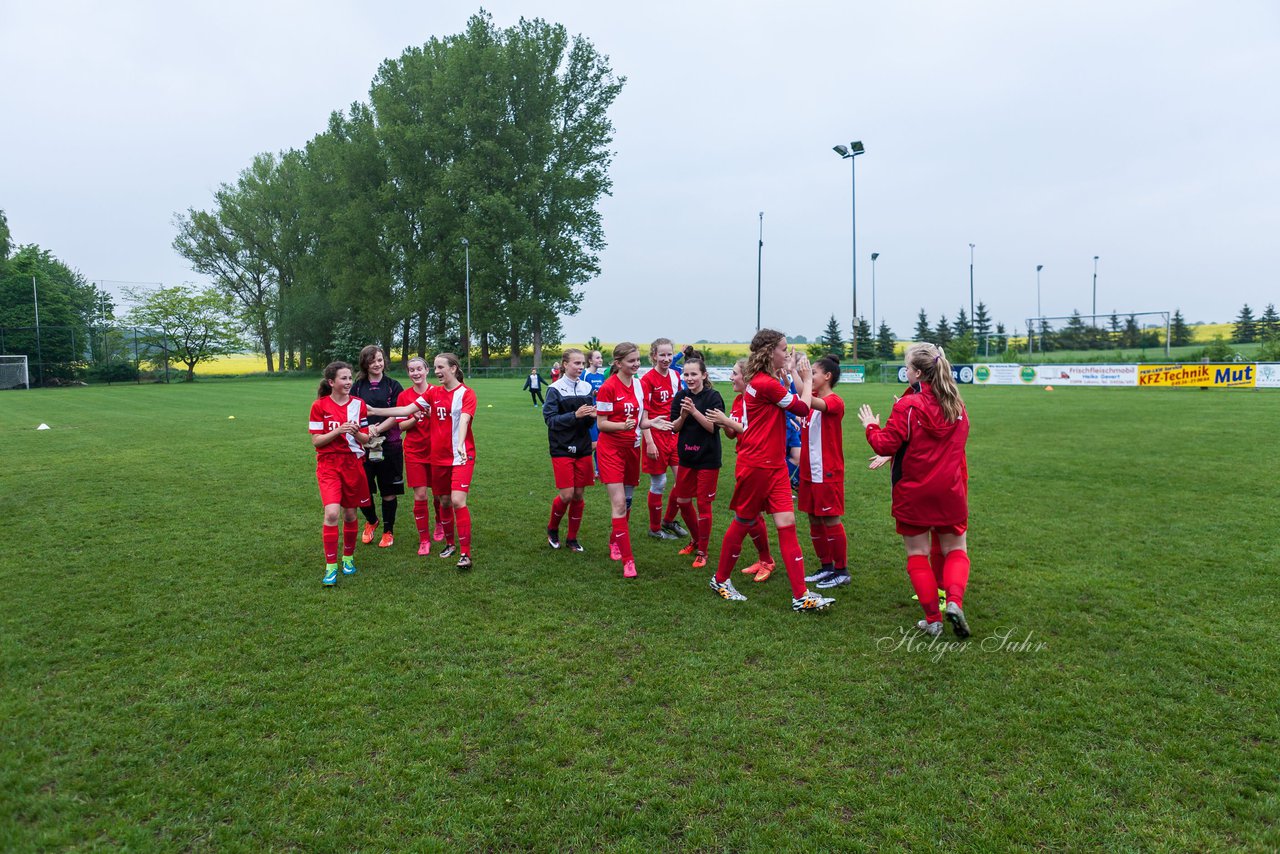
(1235, 375)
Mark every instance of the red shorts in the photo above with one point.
(668, 453)
(417, 474)
(446, 479)
(915, 530)
(618, 465)
(699, 484)
(761, 490)
(573, 471)
(822, 499)
(342, 480)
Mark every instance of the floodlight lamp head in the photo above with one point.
(841, 150)
(1039, 267)
(855, 148)
(465, 242)
(875, 255)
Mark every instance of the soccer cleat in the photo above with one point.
(615, 551)
(763, 573)
(933, 630)
(369, 528)
(811, 601)
(424, 548)
(348, 565)
(438, 535)
(821, 574)
(834, 580)
(727, 590)
(330, 575)
(958, 623)
(449, 550)
(629, 569)
(700, 561)
(553, 538)
(688, 550)
(676, 529)
(574, 546)
(388, 540)
(464, 562)
(942, 599)
(663, 534)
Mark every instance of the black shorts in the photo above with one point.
(386, 477)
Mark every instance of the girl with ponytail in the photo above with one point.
(926, 435)
(339, 431)
(760, 476)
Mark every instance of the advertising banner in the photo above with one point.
(853, 373)
(1234, 375)
(1095, 375)
(961, 374)
(1268, 375)
(998, 374)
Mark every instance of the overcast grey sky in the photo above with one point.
(1044, 133)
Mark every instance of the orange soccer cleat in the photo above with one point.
(388, 540)
(369, 528)
(700, 560)
(688, 550)
(765, 570)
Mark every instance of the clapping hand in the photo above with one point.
(867, 417)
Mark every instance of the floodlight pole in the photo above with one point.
(35, 299)
(970, 284)
(874, 328)
(1095, 290)
(466, 248)
(851, 153)
(1039, 312)
(759, 268)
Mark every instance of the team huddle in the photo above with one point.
(668, 421)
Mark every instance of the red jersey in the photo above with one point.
(450, 444)
(821, 443)
(327, 416)
(738, 412)
(930, 473)
(618, 402)
(764, 441)
(659, 391)
(417, 440)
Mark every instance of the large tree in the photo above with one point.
(187, 325)
(1246, 330)
(1179, 333)
(69, 307)
(831, 340)
(884, 342)
(923, 332)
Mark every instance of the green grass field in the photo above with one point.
(174, 677)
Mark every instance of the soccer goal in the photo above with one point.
(13, 372)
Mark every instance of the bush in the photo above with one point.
(1218, 350)
(113, 372)
(1270, 350)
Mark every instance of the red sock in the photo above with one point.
(955, 576)
(821, 545)
(350, 533)
(622, 537)
(789, 545)
(330, 534)
(704, 525)
(422, 519)
(760, 537)
(672, 507)
(575, 517)
(463, 517)
(838, 543)
(936, 561)
(921, 575)
(558, 508)
(690, 517)
(655, 511)
(730, 548)
(446, 519)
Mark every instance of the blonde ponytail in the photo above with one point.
(934, 369)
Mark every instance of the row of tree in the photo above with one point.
(1248, 328)
(485, 151)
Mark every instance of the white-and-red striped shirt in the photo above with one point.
(450, 444)
(822, 443)
(327, 416)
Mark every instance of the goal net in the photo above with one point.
(13, 372)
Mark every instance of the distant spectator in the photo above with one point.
(533, 384)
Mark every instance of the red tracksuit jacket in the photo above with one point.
(930, 474)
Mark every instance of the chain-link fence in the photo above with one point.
(61, 355)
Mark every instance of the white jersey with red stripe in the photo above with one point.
(822, 443)
(451, 444)
(327, 416)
